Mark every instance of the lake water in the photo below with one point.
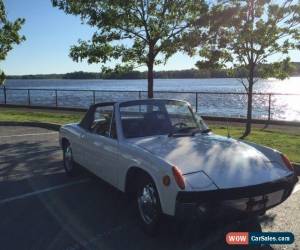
(283, 107)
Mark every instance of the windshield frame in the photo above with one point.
(159, 102)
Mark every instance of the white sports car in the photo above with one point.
(163, 153)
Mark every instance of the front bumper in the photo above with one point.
(234, 202)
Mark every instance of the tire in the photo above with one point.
(69, 164)
(148, 206)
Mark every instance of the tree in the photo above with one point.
(254, 31)
(134, 32)
(9, 36)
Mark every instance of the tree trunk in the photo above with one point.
(150, 78)
(249, 109)
(251, 73)
(150, 64)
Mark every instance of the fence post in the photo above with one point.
(94, 96)
(140, 96)
(269, 111)
(196, 102)
(28, 97)
(4, 92)
(56, 102)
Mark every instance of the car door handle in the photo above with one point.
(82, 136)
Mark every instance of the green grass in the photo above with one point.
(39, 116)
(287, 142)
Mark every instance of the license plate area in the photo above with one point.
(256, 203)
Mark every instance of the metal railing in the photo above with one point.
(267, 106)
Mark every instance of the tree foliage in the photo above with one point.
(134, 32)
(252, 33)
(9, 35)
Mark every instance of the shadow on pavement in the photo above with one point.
(91, 215)
(94, 215)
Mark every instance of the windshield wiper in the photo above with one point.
(184, 131)
(206, 131)
(203, 131)
(188, 131)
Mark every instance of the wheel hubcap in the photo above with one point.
(147, 203)
(68, 158)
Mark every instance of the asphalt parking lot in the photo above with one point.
(42, 208)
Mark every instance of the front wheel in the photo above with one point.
(69, 164)
(148, 206)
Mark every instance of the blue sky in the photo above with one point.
(50, 33)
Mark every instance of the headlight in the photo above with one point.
(199, 181)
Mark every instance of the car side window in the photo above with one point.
(103, 122)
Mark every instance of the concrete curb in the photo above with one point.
(50, 126)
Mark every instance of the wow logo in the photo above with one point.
(259, 238)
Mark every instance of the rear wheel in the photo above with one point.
(69, 164)
(148, 203)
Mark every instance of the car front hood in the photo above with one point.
(227, 162)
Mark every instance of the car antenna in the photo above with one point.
(228, 129)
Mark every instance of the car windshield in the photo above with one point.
(159, 117)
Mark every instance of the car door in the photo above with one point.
(79, 145)
(103, 148)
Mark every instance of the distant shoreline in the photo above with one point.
(107, 79)
(138, 75)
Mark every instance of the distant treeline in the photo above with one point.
(170, 74)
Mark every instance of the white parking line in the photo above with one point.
(296, 189)
(23, 196)
(96, 240)
(8, 136)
